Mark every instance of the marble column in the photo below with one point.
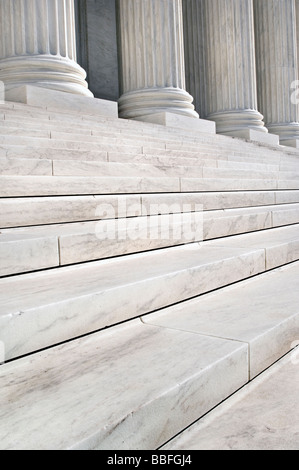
(277, 67)
(38, 46)
(220, 42)
(152, 59)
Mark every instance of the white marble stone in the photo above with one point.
(268, 321)
(213, 200)
(232, 222)
(59, 100)
(280, 244)
(176, 120)
(67, 302)
(102, 395)
(261, 416)
(22, 166)
(13, 186)
(226, 184)
(256, 136)
(56, 210)
(93, 168)
(21, 253)
(239, 173)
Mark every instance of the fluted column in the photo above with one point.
(277, 70)
(152, 59)
(226, 88)
(38, 45)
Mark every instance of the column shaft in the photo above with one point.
(152, 59)
(226, 88)
(38, 45)
(276, 56)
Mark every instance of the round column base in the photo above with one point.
(286, 131)
(55, 73)
(150, 101)
(229, 122)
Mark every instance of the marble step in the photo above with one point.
(117, 389)
(14, 186)
(84, 401)
(35, 248)
(46, 143)
(28, 166)
(68, 140)
(88, 168)
(246, 421)
(262, 312)
(24, 211)
(48, 307)
(13, 161)
(26, 186)
(28, 113)
(280, 244)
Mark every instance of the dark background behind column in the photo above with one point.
(97, 46)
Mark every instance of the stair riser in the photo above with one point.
(42, 326)
(20, 212)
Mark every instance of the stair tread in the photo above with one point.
(88, 397)
(69, 301)
(30, 248)
(262, 311)
(248, 421)
(97, 396)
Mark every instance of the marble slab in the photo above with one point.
(23, 151)
(22, 166)
(210, 200)
(92, 168)
(40, 309)
(256, 136)
(46, 143)
(262, 416)
(226, 184)
(18, 212)
(280, 244)
(239, 173)
(180, 121)
(120, 389)
(262, 312)
(23, 253)
(286, 197)
(14, 186)
(57, 100)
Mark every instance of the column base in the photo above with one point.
(237, 121)
(179, 121)
(61, 101)
(149, 101)
(288, 133)
(256, 136)
(290, 143)
(50, 72)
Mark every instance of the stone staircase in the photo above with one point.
(147, 273)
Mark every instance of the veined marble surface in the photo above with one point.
(48, 307)
(132, 387)
(245, 312)
(264, 415)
